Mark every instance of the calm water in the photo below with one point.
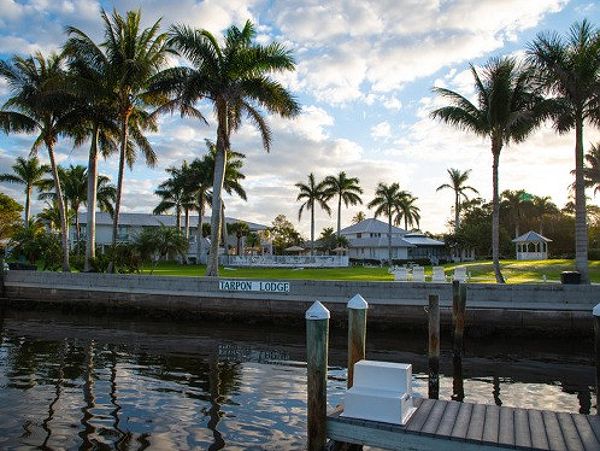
(78, 382)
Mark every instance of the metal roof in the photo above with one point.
(371, 225)
(419, 239)
(379, 242)
(149, 220)
(531, 237)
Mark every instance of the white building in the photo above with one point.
(368, 239)
(132, 224)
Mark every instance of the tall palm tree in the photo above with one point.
(29, 173)
(570, 70)
(407, 210)
(509, 107)
(235, 77)
(346, 189)
(96, 115)
(458, 180)
(240, 229)
(39, 102)
(591, 170)
(312, 193)
(358, 217)
(386, 202)
(198, 181)
(134, 56)
(516, 203)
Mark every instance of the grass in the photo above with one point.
(514, 271)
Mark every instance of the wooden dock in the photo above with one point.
(451, 425)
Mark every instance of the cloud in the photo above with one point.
(381, 130)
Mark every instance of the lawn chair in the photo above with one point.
(401, 275)
(438, 274)
(418, 274)
(460, 274)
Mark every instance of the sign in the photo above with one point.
(266, 286)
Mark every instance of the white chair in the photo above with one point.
(401, 275)
(418, 274)
(438, 274)
(460, 274)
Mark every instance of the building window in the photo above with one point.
(359, 235)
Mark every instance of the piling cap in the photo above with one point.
(358, 303)
(596, 310)
(317, 311)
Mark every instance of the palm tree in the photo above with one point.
(386, 202)
(234, 76)
(239, 229)
(198, 181)
(346, 189)
(358, 217)
(509, 107)
(407, 210)
(570, 70)
(252, 242)
(134, 56)
(458, 180)
(312, 194)
(29, 173)
(591, 170)
(516, 203)
(39, 102)
(542, 207)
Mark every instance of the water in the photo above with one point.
(79, 382)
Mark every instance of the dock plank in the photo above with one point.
(449, 418)
(539, 439)
(506, 433)
(556, 440)
(475, 431)
(588, 438)
(434, 418)
(461, 425)
(522, 432)
(415, 424)
(572, 439)
(492, 424)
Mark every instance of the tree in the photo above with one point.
(569, 67)
(542, 207)
(234, 77)
(312, 194)
(346, 189)
(386, 202)
(240, 229)
(358, 217)
(40, 102)
(458, 180)
(284, 234)
(198, 181)
(509, 107)
(50, 216)
(155, 244)
(327, 240)
(29, 173)
(10, 217)
(252, 242)
(134, 56)
(407, 210)
(591, 170)
(516, 202)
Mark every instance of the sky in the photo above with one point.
(364, 77)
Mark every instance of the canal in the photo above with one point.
(85, 382)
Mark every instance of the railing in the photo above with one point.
(287, 261)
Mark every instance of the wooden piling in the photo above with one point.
(317, 339)
(459, 301)
(434, 346)
(357, 333)
(596, 313)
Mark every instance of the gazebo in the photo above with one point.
(532, 246)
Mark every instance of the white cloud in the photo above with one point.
(381, 130)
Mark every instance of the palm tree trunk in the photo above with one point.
(77, 225)
(312, 228)
(496, 148)
(581, 230)
(406, 222)
(187, 223)
(199, 237)
(223, 231)
(339, 218)
(92, 192)
(456, 212)
(178, 219)
(212, 268)
(64, 230)
(124, 139)
(390, 237)
(27, 204)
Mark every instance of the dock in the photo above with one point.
(452, 425)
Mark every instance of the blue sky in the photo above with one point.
(364, 77)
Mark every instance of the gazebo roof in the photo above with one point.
(531, 237)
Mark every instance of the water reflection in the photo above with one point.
(95, 383)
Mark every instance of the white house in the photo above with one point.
(368, 239)
(132, 224)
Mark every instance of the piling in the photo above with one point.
(459, 302)
(434, 346)
(596, 313)
(317, 339)
(357, 333)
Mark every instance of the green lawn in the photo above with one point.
(514, 271)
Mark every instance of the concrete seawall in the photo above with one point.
(523, 308)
